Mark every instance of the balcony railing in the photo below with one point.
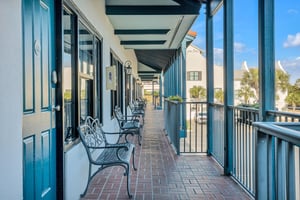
(277, 160)
(244, 147)
(187, 130)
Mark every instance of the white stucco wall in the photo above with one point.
(195, 61)
(11, 100)
(76, 163)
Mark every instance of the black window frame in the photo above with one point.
(96, 94)
(191, 75)
(117, 96)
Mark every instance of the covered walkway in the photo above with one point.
(162, 174)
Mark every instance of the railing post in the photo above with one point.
(261, 182)
(210, 77)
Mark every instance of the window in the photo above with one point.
(68, 79)
(117, 95)
(194, 76)
(81, 74)
(86, 72)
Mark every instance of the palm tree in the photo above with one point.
(282, 80)
(246, 93)
(250, 78)
(219, 96)
(198, 92)
(293, 97)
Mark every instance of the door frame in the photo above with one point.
(58, 9)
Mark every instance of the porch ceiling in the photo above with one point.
(153, 28)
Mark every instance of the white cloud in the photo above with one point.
(293, 11)
(218, 51)
(292, 41)
(291, 63)
(239, 47)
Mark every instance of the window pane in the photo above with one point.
(86, 61)
(68, 68)
(86, 99)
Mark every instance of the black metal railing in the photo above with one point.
(187, 129)
(194, 127)
(244, 147)
(185, 125)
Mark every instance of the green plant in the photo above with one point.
(175, 98)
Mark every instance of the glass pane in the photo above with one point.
(287, 56)
(98, 78)
(86, 56)
(86, 99)
(67, 77)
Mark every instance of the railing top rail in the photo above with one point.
(288, 114)
(246, 108)
(216, 104)
(287, 131)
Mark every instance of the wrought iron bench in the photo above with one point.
(103, 154)
(129, 123)
(137, 110)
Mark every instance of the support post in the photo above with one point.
(229, 88)
(183, 87)
(266, 58)
(210, 77)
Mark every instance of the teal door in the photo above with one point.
(39, 134)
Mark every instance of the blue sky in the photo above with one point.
(287, 34)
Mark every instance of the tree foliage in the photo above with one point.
(282, 80)
(293, 98)
(250, 80)
(219, 96)
(198, 92)
(246, 93)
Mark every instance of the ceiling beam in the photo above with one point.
(141, 31)
(185, 7)
(142, 42)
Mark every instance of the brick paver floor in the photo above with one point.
(162, 175)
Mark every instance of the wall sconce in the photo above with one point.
(128, 68)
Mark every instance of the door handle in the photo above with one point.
(56, 108)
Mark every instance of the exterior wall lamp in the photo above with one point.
(128, 68)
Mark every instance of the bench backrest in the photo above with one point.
(91, 135)
(119, 115)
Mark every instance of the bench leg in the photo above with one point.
(127, 173)
(140, 136)
(133, 162)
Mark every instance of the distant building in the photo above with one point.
(238, 75)
(196, 71)
(196, 76)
